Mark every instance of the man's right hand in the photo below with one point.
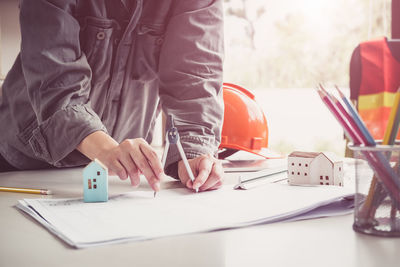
(130, 158)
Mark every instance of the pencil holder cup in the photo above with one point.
(377, 207)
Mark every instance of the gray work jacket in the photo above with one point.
(90, 65)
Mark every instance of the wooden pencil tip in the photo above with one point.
(45, 192)
(323, 89)
(320, 92)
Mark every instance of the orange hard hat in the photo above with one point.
(245, 126)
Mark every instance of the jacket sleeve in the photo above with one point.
(58, 78)
(190, 72)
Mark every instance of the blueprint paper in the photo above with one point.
(138, 215)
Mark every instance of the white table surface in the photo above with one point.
(318, 242)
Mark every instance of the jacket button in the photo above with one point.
(116, 41)
(100, 35)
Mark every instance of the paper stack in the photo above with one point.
(137, 215)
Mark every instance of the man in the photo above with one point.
(93, 75)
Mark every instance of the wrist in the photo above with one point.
(95, 144)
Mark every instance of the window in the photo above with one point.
(326, 177)
(298, 33)
(98, 173)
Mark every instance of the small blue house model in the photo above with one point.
(95, 182)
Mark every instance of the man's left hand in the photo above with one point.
(207, 170)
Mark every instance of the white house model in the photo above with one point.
(314, 168)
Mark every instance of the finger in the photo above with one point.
(214, 178)
(152, 159)
(183, 176)
(189, 184)
(119, 170)
(205, 167)
(131, 169)
(135, 179)
(141, 162)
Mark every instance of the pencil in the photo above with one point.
(378, 162)
(393, 122)
(357, 118)
(367, 207)
(349, 118)
(337, 114)
(373, 198)
(356, 134)
(25, 190)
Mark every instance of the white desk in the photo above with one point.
(321, 242)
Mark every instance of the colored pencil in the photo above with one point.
(376, 159)
(336, 113)
(349, 118)
(25, 190)
(374, 199)
(357, 118)
(393, 122)
(370, 141)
